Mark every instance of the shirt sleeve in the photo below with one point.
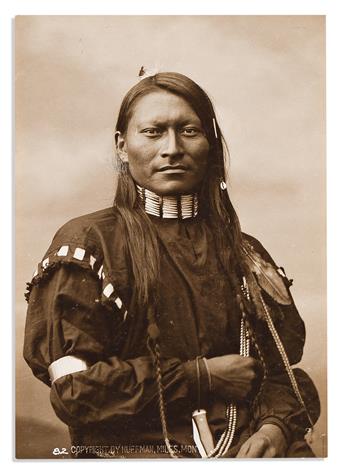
(278, 403)
(66, 318)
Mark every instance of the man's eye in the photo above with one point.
(151, 132)
(190, 132)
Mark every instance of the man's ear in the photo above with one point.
(121, 147)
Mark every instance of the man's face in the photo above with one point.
(165, 145)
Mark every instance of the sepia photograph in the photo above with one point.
(170, 176)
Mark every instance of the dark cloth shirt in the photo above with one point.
(114, 402)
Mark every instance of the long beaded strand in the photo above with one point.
(227, 436)
(285, 359)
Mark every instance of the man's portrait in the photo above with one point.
(171, 237)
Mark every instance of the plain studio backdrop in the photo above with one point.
(266, 77)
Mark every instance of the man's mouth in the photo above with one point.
(173, 169)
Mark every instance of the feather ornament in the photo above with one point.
(267, 277)
(147, 72)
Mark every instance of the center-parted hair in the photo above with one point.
(215, 204)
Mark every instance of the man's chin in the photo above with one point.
(172, 188)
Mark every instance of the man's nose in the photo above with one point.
(172, 146)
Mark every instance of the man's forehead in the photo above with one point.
(162, 107)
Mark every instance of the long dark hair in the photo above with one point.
(215, 204)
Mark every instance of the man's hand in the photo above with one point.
(234, 377)
(268, 442)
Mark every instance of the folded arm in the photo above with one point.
(64, 319)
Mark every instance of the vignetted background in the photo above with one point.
(266, 76)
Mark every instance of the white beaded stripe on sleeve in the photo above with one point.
(108, 290)
(35, 273)
(281, 272)
(118, 303)
(63, 251)
(100, 273)
(79, 253)
(92, 261)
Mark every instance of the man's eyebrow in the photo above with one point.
(150, 122)
(192, 123)
(162, 122)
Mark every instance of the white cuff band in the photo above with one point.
(64, 366)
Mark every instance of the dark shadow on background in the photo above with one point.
(36, 439)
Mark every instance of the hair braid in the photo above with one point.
(153, 346)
